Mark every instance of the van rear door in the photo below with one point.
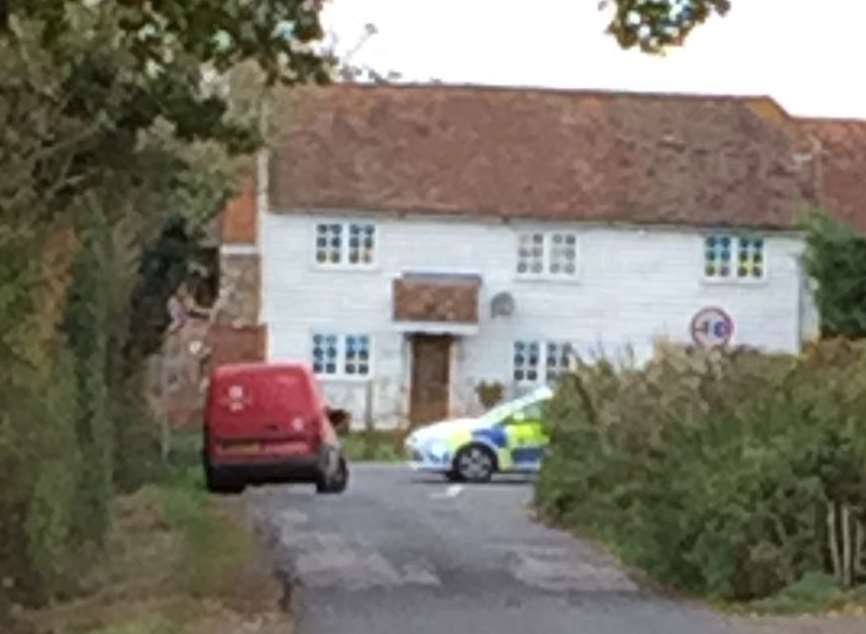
(264, 406)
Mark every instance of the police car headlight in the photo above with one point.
(437, 448)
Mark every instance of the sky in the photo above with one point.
(807, 54)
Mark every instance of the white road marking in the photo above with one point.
(451, 492)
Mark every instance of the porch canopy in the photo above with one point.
(436, 303)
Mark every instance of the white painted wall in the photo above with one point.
(633, 285)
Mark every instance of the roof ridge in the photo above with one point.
(832, 119)
(546, 90)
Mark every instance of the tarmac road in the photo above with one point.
(412, 554)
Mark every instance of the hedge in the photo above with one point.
(718, 473)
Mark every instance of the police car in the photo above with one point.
(508, 439)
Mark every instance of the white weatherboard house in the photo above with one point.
(416, 241)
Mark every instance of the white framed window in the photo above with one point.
(346, 244)
(734, 257)
(356, 361)
(541, 361)
(347, 356)
(558, 359)
(547, 254)
(527, 361)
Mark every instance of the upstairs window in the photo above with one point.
(734, 257)
(547, 254)
(348, 244)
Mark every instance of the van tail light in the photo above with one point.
(310, 428)
(314, 429)
(305, 426)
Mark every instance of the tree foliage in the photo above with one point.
(124, 128)
(836, 261)
(655, 25)
(129, 65)
(165, 34)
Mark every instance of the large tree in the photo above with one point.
(116, 116)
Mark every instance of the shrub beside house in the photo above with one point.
(732, 474)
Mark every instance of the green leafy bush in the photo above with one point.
(99, 149)
(836, 260)
(712, 471)
(48, 563)
(490, 394)
(813, 592)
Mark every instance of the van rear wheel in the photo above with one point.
(338, 480)
(220, 485)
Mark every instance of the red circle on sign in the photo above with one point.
(712, 327)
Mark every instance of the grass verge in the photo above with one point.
(177, 562)
(373, 446)
(815, 594)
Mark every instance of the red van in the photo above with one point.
(267, 423)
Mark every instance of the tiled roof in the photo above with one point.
(842, 180)
(541, 154)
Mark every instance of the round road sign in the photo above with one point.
(712, 327)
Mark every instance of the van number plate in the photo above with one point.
(242, 448)
(297, 447)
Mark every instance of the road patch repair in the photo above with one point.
(559, 570)
(324, 559)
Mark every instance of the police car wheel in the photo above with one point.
(475, 463)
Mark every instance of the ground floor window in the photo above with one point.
(342, 355)
(541, 361)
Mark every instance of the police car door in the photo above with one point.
(525, 436)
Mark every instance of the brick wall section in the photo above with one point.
(436, 300)
(240, 289)
(242, 344)
(232, 335)
(239, 220)
(181, 381)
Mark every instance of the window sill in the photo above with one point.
(709, 281)
(345, 268)
(546, 279)
(529, 384)
(343, 378)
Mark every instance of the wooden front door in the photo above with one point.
(431, 378)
